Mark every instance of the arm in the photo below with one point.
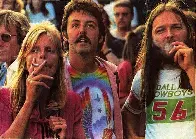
(192, 77)
(133, 119)
(125, 76)
(18, 127)
(111, 57)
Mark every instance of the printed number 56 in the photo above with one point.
(177, 114)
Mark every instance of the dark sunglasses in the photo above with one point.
(6, 37)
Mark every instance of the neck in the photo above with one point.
(122, 32)
(81, 63)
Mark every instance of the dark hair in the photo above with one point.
(145, 59)
(87, 6)
(10, 19)
(43, 8)
(132, 45)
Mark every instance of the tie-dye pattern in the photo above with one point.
(97, 101)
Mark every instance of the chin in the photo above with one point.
(161, 55)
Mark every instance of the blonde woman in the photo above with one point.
(40, 105)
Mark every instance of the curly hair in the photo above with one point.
(87, 6)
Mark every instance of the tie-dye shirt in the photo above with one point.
(97, 101)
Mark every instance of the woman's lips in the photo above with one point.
(35, 64)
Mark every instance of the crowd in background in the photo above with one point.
(121, 62)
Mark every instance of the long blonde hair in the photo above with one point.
(17, 83)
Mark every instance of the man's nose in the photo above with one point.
(82, 30)
(169, 33)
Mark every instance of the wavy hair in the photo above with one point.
(91, 8)
(18, 81)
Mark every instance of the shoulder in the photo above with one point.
(49, 5)
(136, 84)
(125, 64)
(107, 64)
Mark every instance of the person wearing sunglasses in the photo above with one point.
(13, 29)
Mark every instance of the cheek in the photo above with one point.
(28, 62)
(182, 36)
(71, 37)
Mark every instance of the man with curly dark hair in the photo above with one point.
(93, 78)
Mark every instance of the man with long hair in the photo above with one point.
(90, 76)
(162, 97)
(13, 28)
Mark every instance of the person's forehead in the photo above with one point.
(167, 16)
(8, 28)
(78, 15)
(7, 1)
(121, 8)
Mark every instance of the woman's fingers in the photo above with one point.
(57, 123)
(39, 68)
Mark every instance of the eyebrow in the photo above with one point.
(88, 21)
(174, 24)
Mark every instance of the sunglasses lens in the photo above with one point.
(6, 37)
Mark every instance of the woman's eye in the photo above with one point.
(34, 50)
(50, 50)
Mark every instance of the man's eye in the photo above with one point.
(75, 25)
(116, 14)
(125, 14)
(177, 27)
(158, 31)
(90, 26)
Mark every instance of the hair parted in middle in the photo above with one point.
(88, 6)
(18, 80)
(145, 60)
(10, 19)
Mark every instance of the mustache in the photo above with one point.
(84, 37)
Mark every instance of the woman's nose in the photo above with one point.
(42, 55)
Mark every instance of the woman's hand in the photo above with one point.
(36, 83)
(58, 125)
